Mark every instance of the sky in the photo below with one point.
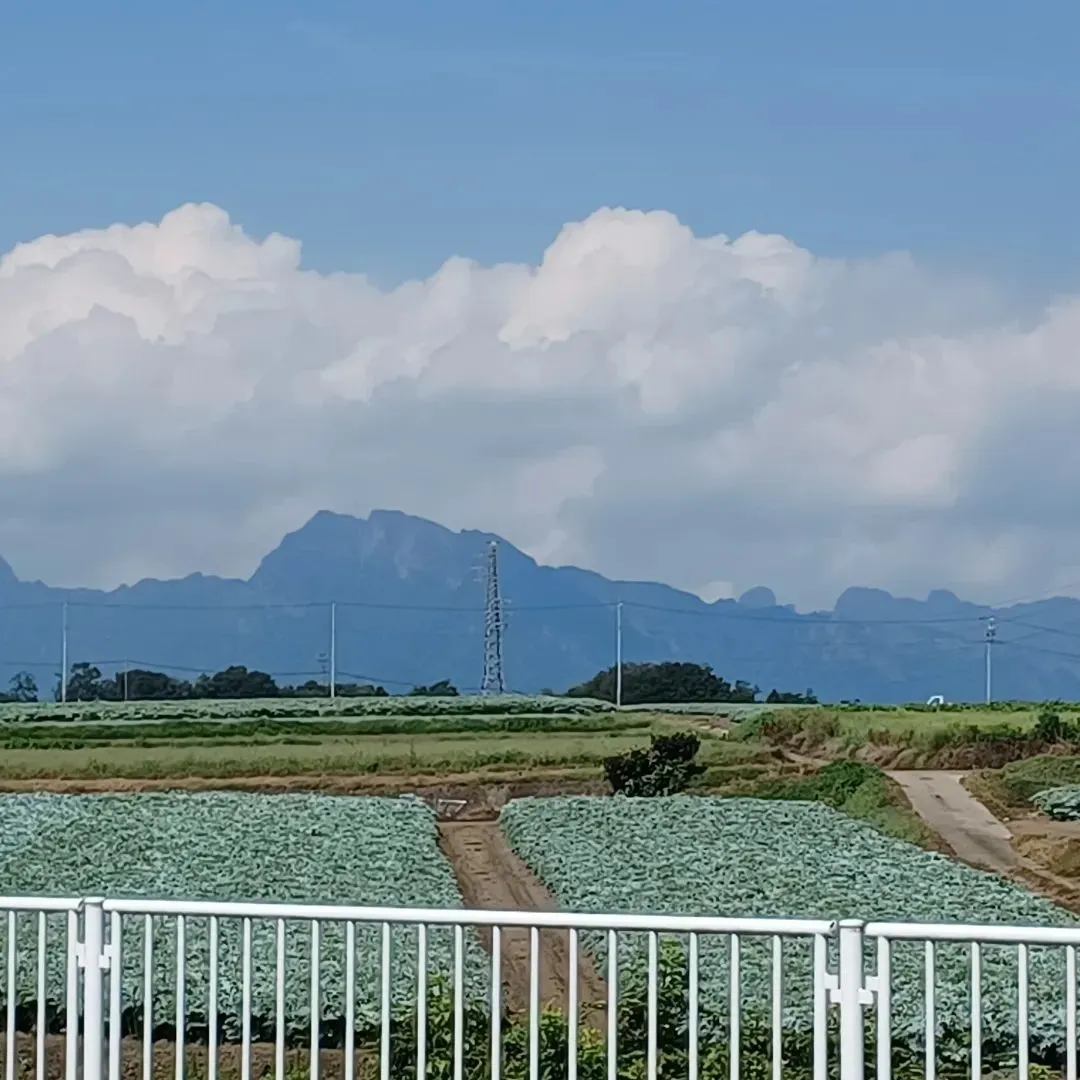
(709, 293)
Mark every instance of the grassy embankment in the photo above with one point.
(1008, 790)
(910, 737)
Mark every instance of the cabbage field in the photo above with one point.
(286, 708)
(225, 846)
(747, 857)
(1060, 803)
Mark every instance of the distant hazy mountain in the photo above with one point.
(409, 593)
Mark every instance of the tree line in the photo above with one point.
(670, 682)
(87, 683)
(678, 682)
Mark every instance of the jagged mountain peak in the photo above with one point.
(410, 593)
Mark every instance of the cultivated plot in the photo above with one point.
(756, 858)
(225, 846)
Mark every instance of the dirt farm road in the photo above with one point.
(973, 833)
(493, 878)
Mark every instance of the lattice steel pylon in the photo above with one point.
(494, 681)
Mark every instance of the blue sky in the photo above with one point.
(388, 136)
(872, 422)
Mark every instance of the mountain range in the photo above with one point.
(407, 598)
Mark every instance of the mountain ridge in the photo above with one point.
(408, 602)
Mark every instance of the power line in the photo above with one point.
(1041, 649)
(790, 618)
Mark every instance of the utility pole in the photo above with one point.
(333, 649)
(125, 680)
(63, 652)
(991, 634)
(494, 680)
(618, 654)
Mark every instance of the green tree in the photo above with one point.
(84, 683)
(23, 687)
(143, 685)
(669, 682)
(790, 697)
(443, 688)
(236, 682)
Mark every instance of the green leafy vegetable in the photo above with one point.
(224, 846)
(748, 857)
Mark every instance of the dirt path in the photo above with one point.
(493, 878)
(973, 833)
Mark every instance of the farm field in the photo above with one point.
(751, 857)
(394, 746)
(400, 754)
(297, 708)
(223, 846)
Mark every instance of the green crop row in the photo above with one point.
(168, 731)
(1061, 804)
(748, 857)
(100, 712)
(299, 848)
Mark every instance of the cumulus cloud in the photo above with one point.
(703, 410)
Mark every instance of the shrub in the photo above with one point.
(666, 768)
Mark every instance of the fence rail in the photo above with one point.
(130, 989)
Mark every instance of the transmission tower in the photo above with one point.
(494, 681)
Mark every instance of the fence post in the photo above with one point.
(94, 962)
(852, 995)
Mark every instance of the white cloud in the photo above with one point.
(175, 396)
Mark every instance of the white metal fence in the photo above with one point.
(140, 989)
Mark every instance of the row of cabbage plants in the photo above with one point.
(747, 857)
(299, 708)
(1060, 803)
(226, 846)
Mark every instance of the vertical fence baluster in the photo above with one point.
(181, 993)
(1070, 1012)
(212, 1003)
(316, 1002)
(384, 1006)
(652, 995)
(421, 1001)
(245, 997)
(1022, 1037)
(884, 1009)
(115, 995)
(929, 991)
(42, 994)
(821, 1007)
(71, 1000)
(976, 1011)
(459, 1001)
(613, 1006)
(534, 1004)
(496, 1002)
(777, 1007)
(279, 1001)
(734, 1010)
(350, 1000)
(12, 944)
(573, 1007)
(148, 999)
(693, 1019)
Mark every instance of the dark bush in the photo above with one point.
(666, 768)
